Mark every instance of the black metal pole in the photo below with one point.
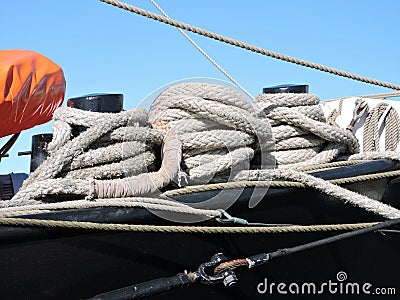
(263, 258)
(146, 289)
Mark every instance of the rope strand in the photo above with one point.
(249, 47)
(205, 54)
(177, 229)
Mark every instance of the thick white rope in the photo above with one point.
(70, 170)
(390, 155)
(303, 137)
(239, 134)
(217, 126)
(325, 187)
(381, 96)
(98, 125)
(310, 133)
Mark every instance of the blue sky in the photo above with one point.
(104, 49)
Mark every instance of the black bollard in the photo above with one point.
(287, 88)
(104, 103)
(111, 103)
(38, 151)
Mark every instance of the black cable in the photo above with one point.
(383, 231)
(262, 258)
(145, 289)
(162, 285)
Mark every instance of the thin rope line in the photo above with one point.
(205, 54)
(365, 177)
(381, 96)
(249, 47)
(372, 96)
(330, 165)
(177, 229)
(277, 183)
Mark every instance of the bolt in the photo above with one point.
(219, 257)
(230, 278)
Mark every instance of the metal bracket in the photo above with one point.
(359, 110)
(228, 277)
(227, 218)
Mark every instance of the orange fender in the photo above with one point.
(31, 88)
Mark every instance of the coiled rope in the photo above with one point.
(205, 133)
(218, 127)
(303, 138)
(109, 159)
(381, 119)
(371, 128)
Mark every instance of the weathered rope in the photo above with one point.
(331, 118)
(304, 180)
(247, 46)
(330, 165)
(179, 229)
(98, 125)
(153, 204)
(302, 136)
(218, 127)
(326, 187)
(209, 131)
(204, 53)
(371, 133)
(378, 119)
(69, 170)
(272, 184)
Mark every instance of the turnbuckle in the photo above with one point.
(227, 277)
(359, 110)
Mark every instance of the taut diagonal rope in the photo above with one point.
(250, 47)
(205, 54)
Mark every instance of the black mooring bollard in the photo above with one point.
(38, 151)
(111, 103)
(286, 88)
(104, 103)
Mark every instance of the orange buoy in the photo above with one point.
(31, 88)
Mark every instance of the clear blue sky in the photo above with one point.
(104, 49)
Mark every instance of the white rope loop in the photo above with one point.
(72, 165)
(217, 126)
(145, 183)
(302, 135)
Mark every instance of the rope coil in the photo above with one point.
(315, 142)
(218, 127)
(111, 161)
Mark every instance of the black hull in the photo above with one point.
(78, 267)
(76, 264)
